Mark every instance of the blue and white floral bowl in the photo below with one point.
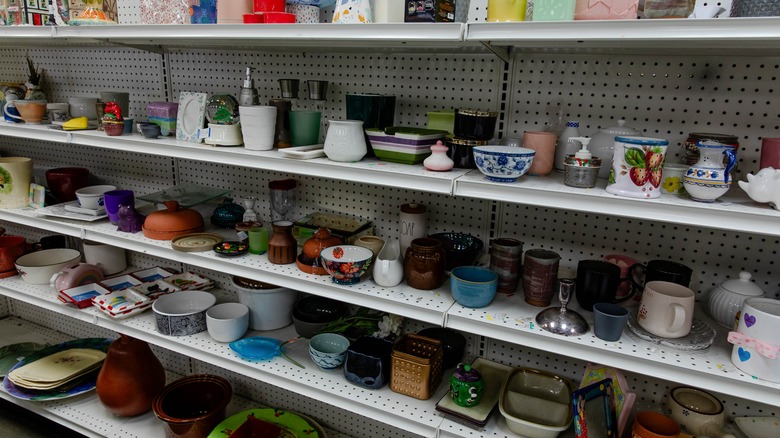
(328, 350)
(503, 163)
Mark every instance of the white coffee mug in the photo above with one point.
(666, 309)
(110, 259)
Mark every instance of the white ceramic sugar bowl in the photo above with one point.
(726, 299)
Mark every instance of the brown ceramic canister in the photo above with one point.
(424, 264)
(505, 255)
(540, 272)
(282, 247)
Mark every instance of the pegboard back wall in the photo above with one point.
(662, 96)
(72, 72)
(379, 204)
(651, 392)
(714, 255)
(139, 172)
(421, 83)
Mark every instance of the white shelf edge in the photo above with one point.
(734, 212)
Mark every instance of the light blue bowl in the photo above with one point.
(328, 350)
(472, 286)
(503, 163)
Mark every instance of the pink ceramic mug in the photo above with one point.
(544, 145)
(623, 262)
(770, 153)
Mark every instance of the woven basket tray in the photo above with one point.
(416, 366)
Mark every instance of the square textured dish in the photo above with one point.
(494, 374)
(186, 195)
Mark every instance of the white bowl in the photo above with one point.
(227, 322)
(270, 307)
(38, 267)
(182, 313)
(92, 197)
(503, 163)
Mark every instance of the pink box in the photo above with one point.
(166, 110)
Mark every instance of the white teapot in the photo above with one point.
(763, 186)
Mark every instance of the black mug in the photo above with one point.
(660, 270)
(598, 282)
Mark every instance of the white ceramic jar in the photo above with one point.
(345, 141)
(270, 307)
(726, 299)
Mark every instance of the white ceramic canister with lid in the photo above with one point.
(726, 299)
(414, 224)
(270, 307)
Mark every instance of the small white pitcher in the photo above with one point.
(389, 269)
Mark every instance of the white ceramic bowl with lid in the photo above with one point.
(602, 144)
(726, 299)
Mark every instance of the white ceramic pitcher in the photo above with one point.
(389, 269)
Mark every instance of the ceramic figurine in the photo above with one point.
(438, 160)
(466, 386)
(709, 179)
(763, 186)
(353, 11)
(130, 221)
(112, 111)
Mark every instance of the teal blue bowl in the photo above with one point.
(472, 286)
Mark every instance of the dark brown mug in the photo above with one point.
(660, 270)
(598, 282)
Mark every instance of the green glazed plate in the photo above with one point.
(401, 158)
(293, 425)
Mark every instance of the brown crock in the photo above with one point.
(173, 222)
(424, 264)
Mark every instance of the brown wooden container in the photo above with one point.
(282, 247)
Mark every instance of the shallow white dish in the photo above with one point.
(70, 210)
(304, 152)
(759, 427)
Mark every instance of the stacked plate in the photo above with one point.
(58, 369)
(403, 145)
(268, 423)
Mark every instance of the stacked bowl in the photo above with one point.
(472, 128)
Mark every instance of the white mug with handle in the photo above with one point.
(666, 309)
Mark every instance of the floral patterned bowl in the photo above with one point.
(346, 263)
(503, 163)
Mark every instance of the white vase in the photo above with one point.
(345, 141)
(388, 268)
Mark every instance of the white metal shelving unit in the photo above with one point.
(506, 320)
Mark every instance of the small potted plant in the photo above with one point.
(33, 84)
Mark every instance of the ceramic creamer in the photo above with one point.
(709, 178)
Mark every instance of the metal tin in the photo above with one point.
(460, 150)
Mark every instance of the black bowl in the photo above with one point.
(452, 341)
(460, 249)
(316, 309)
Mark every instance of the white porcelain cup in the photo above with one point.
(227, 322)
(666, 309)
(110, 259)
(258, 124)
(83, 107)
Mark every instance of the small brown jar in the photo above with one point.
(424, 264)
(282, 247)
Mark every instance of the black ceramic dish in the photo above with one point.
(452, 341)
(319, 309)
(460, 249)
(475, 124)
(231, 249)
(461, 151)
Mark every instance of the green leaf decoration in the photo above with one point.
(635, 157)
(6, 182)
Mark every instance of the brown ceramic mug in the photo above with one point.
(424, 264)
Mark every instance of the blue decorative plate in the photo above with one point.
(101, 344)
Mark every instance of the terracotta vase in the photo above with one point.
(130, 378)
(282, 247)
(424, 264)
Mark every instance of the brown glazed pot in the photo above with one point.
(130, 378)
(282, 247)
(309, 260)
(193, 406)
(172, 222)
(424, 264)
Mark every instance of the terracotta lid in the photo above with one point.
(309, 260)
(175, 221)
